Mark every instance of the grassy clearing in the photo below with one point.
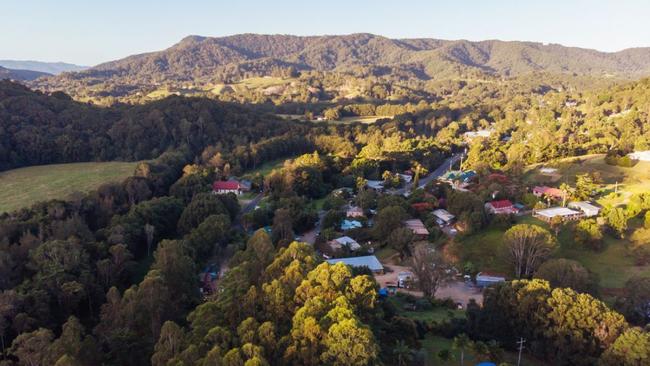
(437, 314)
(361, 119)
(25, 186)
(433, 344)
(628, 180)
(265, 168)
(614, 264)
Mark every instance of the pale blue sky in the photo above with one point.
(90, 31)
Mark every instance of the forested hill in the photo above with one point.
(199, 57)
(20, 74)
(38, 128)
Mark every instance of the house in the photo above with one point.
(346, 241)
(566, 214)
(245, 185)
(547, 171)
(443, 217)
(418, 228)
(500, 207)
(350, 224)
(354, 212)
(587, 208)
(552, 193)
(377, 185)
(369, 261)
(484, 279)
(458, 176)
(223, 187)
(422, 206)
(640, 155)
(470, 135)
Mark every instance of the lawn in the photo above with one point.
(432, 344)
(614, 265)
(437, 314)
(627, 180)
(265, 168)
(25, 186)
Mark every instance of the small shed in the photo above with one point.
(484, 279)
(350, 224)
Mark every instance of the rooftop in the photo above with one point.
(222, 185)
(443, 214)
(501, 204)
(557, 211)
(369, 261)
(417, 226)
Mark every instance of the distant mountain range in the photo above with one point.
(21, 75)
(208, 59)
(53, 68)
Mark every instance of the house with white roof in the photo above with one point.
(587, 208)
(369, 261)
(565, 213)
(443, 217)
(344, 241)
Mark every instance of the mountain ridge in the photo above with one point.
(213, 59)
(53, 68)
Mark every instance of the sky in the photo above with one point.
(88, 32)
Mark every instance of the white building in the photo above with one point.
(346, 241)
(443, 217)
(587, 208)
(566, 214)
(640, 155)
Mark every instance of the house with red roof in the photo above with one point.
(223, 187)
(423, 206)
(500, 207)
(544, 191)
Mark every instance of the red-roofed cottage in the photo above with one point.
(223, 187)
(553, 193)
(500, 207)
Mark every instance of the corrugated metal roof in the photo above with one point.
(369, 261)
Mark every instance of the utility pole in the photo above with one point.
(520, 342)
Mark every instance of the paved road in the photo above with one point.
(252, 204)
(310, 236)
(434, 174)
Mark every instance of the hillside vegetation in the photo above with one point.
(199, 61)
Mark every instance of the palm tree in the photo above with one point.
(461, 343)
(403, 353)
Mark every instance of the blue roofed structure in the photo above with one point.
(369, 261)
(350, 224)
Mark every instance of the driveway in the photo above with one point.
(310, 236)
(458, 291)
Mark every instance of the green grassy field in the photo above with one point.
(265, 168)
(614, 264)
(627, 180)
(25, 186)
(433, 344)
